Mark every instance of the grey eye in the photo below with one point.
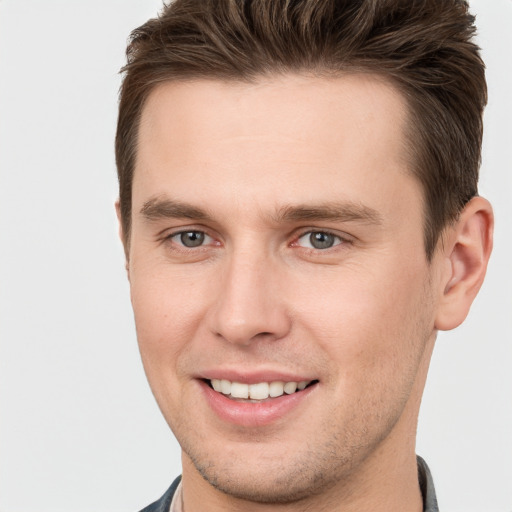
(319, 240)
(192, 238)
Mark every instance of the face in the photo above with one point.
(283, 302)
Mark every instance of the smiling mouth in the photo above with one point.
(257, 392)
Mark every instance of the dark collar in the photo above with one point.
(427, 487)
(164, 503)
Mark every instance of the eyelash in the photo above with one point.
(338, 240)
(182, 232)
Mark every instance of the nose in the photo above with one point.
(250, 303)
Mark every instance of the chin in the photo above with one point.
(265, 474)
(264, 485)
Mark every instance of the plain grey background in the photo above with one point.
(79, 429)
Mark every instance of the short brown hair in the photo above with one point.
(425, 47)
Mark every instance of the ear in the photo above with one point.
(122, 237)
(466, 250)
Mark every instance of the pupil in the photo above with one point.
(192, 238)
(321, 240)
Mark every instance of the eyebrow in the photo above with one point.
(159, 208)
(346, 211)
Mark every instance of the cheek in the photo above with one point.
(374, 318)
(165, 319)
(167, 310)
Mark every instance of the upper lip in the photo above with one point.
(254, 376)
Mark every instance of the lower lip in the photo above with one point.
(251, 414)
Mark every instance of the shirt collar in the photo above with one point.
(427, 487)
(177, 500)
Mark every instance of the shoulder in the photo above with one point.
(163, 504)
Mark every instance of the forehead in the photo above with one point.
(285, 139)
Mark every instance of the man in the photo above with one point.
(299, 211)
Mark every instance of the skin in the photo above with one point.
(241, 163)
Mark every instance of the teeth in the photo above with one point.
(225, 387)
(260, 391)
(290, 387)
(239, 390)
(276, 389)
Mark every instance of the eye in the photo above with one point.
(319, 240)
(191, 239)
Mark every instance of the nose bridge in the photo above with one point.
(249, 304)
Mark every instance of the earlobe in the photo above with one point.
(466, 253)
